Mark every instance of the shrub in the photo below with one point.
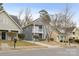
(21, 36)
(36, 37)
(65, 41)
(70, 40)
(61, 40)
(77, 40)
(42, 39)
(51, 39)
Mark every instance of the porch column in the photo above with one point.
(34, 32)
(17, 36)
(0, 35)
(43, 34)
(6, 36)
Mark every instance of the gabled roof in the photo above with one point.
(68, 30)
(76, 29)
(11, 19)
(16, 19)
(37, 21)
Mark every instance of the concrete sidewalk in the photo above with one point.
(43, 44)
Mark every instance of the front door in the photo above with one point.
(40, 36)
(3, 35)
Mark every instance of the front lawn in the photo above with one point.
(22, 43)
(18, 43)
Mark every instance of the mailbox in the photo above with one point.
(15, 40)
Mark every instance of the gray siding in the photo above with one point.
(28, 33)
(28, 30)
(39, 22)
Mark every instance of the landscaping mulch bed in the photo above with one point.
(51, 43)
(61, 44)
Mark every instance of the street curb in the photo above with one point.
(9, 50)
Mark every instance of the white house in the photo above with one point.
(9, 28)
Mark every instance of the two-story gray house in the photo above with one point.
(36, 28)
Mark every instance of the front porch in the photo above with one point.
(8, 35)
(38, 36)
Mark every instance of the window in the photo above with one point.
(40, 26)
(40, 35)
(3, 35)
(62, 37)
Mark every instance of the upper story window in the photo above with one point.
(40, 26)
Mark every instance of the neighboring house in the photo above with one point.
(59, 34)
(55, 35)
(76, 33)
(36, 28)
(69, 33)
(9, 28)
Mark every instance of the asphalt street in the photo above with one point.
(43, 52)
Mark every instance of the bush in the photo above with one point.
(65, 41)
(42, 39)
(36, 37)
(61, 40)
(51, 39)
(77, 40)
(21, 36)
(70, 40)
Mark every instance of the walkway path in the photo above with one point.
(43, 44)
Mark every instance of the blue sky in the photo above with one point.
(52, 8)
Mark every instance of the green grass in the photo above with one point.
(22, 43)
(18, 43)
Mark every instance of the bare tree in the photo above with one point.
(28, 17)
(45, 18)
(63, 20)
(20, 14)
(19, 17)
